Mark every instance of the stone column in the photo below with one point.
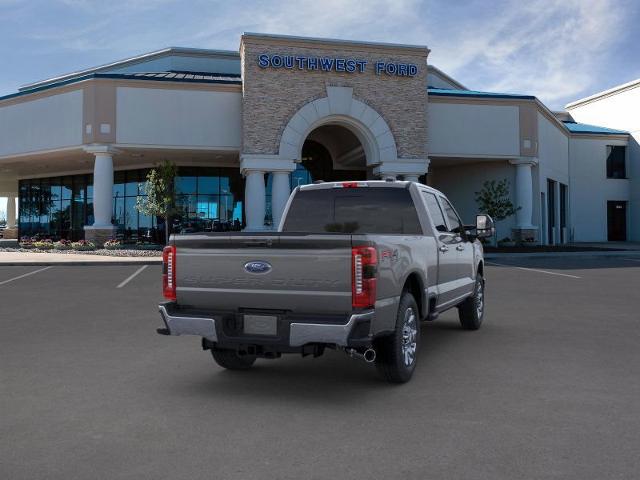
(11, 212)
(254, 199)
(102, 228)
(253, 167)
(280, 191)
(525, 230)
(11, 232)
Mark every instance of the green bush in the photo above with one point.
(83, 245)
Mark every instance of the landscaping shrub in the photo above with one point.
(62, 245)
(113, 244)
(83, 245)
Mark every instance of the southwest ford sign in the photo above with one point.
(334, 64)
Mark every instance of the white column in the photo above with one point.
(11, 212)
(102, 190)
(524, 192)
(280, 191)
(254, 198)
(408, 169)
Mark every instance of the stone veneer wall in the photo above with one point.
(271, 96)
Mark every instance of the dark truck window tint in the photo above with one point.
(454, 220)
(353, 210)
(435, 211)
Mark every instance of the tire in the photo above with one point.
(471, 311)
(230, 359)
(397, 353)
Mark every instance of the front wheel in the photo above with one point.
(397, 353)
(471, 311)
(230, 359)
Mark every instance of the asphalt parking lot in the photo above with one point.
(548, 388)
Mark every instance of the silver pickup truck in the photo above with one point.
(354, 266)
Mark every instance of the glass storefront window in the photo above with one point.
(209, 199)
(186, 185)
(208, 185)
(67, 188)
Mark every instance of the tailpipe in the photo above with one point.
(369, 355)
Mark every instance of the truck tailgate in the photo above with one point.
(307, 274)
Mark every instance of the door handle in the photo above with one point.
(460, 248)
(443, 248)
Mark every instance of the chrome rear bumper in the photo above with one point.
(200, 326)
(303, 333)
(300, 333)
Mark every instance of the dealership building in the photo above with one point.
(246, 127)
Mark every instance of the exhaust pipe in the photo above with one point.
(368, 356)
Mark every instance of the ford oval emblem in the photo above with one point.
(257, 266)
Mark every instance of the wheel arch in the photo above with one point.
(414, 283)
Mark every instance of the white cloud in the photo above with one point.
(553, 49)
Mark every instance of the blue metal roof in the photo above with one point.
(575, 127)
(187, 77)
(445, 92)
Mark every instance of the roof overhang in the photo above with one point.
(605, 93)
(145, 57)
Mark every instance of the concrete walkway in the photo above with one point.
(624, 249)
(32, 258)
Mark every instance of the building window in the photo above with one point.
(56, 207)
(616, 161)
(208, 199)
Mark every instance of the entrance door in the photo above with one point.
(543, 218)
(551, 212)
(617, 221)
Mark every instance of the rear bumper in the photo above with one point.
(293, 331)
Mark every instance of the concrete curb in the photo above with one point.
(74, 263)
(591, 254)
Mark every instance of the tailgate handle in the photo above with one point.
(258, 243)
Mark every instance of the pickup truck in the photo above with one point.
(354, 266)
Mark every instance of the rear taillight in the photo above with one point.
(169, 272)
(364, 263)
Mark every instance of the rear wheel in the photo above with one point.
(397, 353)
(471, 311)
(230, 359)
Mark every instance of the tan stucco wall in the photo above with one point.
(272, 96)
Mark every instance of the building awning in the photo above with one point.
(575, 127)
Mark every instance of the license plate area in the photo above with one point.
(260, 324)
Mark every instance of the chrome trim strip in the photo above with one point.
(200, 326)
(303, 333)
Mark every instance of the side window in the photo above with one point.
(452, 216)
(435, 212)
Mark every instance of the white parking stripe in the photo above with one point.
(25, 275)
(534, 270)
(131, 277)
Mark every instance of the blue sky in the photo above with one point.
(557, 50)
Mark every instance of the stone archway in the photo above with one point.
(340, 108)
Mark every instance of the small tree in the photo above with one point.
(160, 193)
(494, 200)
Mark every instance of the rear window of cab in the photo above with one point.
(353, 210)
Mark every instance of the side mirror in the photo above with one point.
(484, 226)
